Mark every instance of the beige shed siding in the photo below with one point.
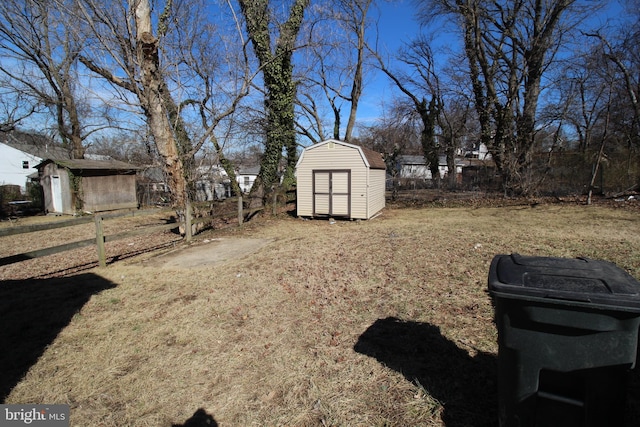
(377, 181)
(336, 156)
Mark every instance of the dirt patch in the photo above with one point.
(208, 253)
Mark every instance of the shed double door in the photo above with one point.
(332, 193)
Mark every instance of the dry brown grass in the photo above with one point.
(375, 323)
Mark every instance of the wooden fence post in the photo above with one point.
(102, 253)
(240, 215)
(187, 222)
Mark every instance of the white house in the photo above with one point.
(481, 153)
(412, 167)
(212, 183)
(21, 152)
(246, 176)
(415, 167)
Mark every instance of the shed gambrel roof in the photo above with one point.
(371, 158)
(376, 161)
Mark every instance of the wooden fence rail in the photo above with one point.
(100, 239)
(81, 243)
(21, 229)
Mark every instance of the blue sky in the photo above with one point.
(397, 22)
(397, 25)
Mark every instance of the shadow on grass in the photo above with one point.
(465, 385)
(32, 313)
(199, 419)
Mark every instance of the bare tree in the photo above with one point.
(126, 146)
(15, 107)
(456, 122)
(585, 89)
(155, 65)
(214, 82)
(598, 159)
(422, 87)
(509, 46)
(39, 60)
(336, 67)
(355, 19)
(395, 134)
(159, 107)
(622, 51)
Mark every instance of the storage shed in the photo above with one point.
(86, 185)
(338, 179)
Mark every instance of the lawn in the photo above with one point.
(385, 322)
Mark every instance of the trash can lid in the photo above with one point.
(572, 281)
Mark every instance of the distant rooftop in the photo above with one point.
(34, 144)
(86, 164)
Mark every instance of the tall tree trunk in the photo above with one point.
(227, 165)
(596, 167)
(277, 69)
(429, 116)
(153, 102)
(71, 137)
(356, 88)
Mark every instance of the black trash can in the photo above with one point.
(567, 337)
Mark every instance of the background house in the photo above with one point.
(212, 183)
(21, 152)
(471, 169)
(480, 153)
(415, 167)
(82, 185)
(412, 167)
(246, 176)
